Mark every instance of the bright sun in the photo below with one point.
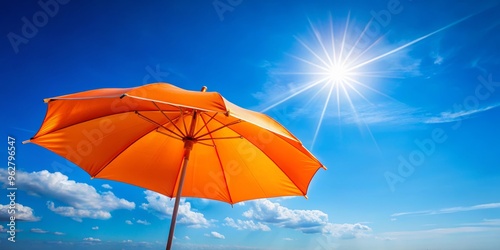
(336, 63)
(338, 74)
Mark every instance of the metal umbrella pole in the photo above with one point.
(188, 146)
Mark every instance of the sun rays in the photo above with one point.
(341, 63)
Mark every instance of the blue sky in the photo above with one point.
(407, 124)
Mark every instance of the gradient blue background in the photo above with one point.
(450, 200)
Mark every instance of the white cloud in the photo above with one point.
(245, 224)
(162, 206)
(216, 235)
(129, 222)
(346, 231)
(288, 239)
(106, 186)
(38, 231)
(92, 239)
(59, 233)
(143, 222)
(83, 200)
(78, 214)
(307, 221)
(438, 60)
(450, 210)
(95, 228)
(187, 237)
(23, 213)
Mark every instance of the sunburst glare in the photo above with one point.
(340, 62)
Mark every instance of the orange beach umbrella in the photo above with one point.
(178, 143)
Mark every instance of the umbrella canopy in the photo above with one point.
(178, 143)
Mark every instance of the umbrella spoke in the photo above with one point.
(183, 121)
(159, 125)
(217, 129)
(163, 133)
(206, 124)
(220, 138)
(206, 144)
(166, 116)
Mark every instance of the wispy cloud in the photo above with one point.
(38, 231)
(485, 222)
(450, 210)
(25, 130)
(383, 114)
(191, 246)
(143, 222)
(386, 114)
(450, 116)
(97, 243)
(91, 239)
(436, 232)
(41, 231)
(400, 114)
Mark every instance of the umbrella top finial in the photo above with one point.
(204, 88)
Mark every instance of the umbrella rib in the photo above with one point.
(220, 138)
(183, 121)
(116, 155)
(76, 124)
(163, 133)
(293, 182)
(206, 123)
(217, 129)
(166, 116)
(169, 103)
(235, 122)
(159, 125)
(205, 144)
(220, 164)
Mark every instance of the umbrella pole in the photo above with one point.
(188, 146)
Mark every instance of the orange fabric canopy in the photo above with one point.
(138, 136)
